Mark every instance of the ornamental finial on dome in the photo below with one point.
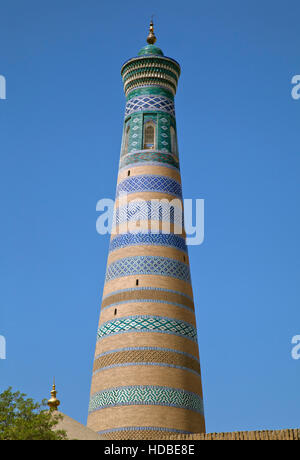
(151, 39)
(53, 403)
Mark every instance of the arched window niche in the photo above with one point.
(149, 135)
(126, 138)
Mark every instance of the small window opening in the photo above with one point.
(137, 282)
(149, 135)
(116, 311)
(128, 173)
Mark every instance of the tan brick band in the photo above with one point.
(149, 169)
(143, 416)
(153, 294)
(147, 308)
(147, 340)
(154, 281)
(147, 356)
(146, 375)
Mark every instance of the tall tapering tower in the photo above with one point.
(146, 377)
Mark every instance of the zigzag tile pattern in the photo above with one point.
(147, 323)
(146, 395)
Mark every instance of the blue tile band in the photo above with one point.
(144, 239)
(149, 183)
(148, 265)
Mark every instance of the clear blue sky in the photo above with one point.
(239, 145)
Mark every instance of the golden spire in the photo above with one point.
(151, 39)
(53, 403)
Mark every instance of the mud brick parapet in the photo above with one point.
(267, 435)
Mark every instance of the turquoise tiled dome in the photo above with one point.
(150, 50)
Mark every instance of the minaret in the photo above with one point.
(146, 379)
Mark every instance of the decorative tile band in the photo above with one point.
(150, 90)
(154, 68)
(149, 295)
(146, 157)
(145, 79)
(156, 210)
(149, 183)
(148, 265)
(146, 357)
(144, 239)
(150, 103)
(144, 428)
(151, 60)
(148, 288)
(137, 434)
(146, 395)
(152, 72)
(184, 353)
(147, 323)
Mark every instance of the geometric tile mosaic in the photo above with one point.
(150, 183)
(184, 353)
(156, 210)
(148, 265)
(146, 357)
(145, 103)
(163, 141)
(146, 395)
(136, 134)
(144, 428)
(147, 323)
(156, 239)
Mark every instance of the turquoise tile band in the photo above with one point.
(146, 395)
(147, 323)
